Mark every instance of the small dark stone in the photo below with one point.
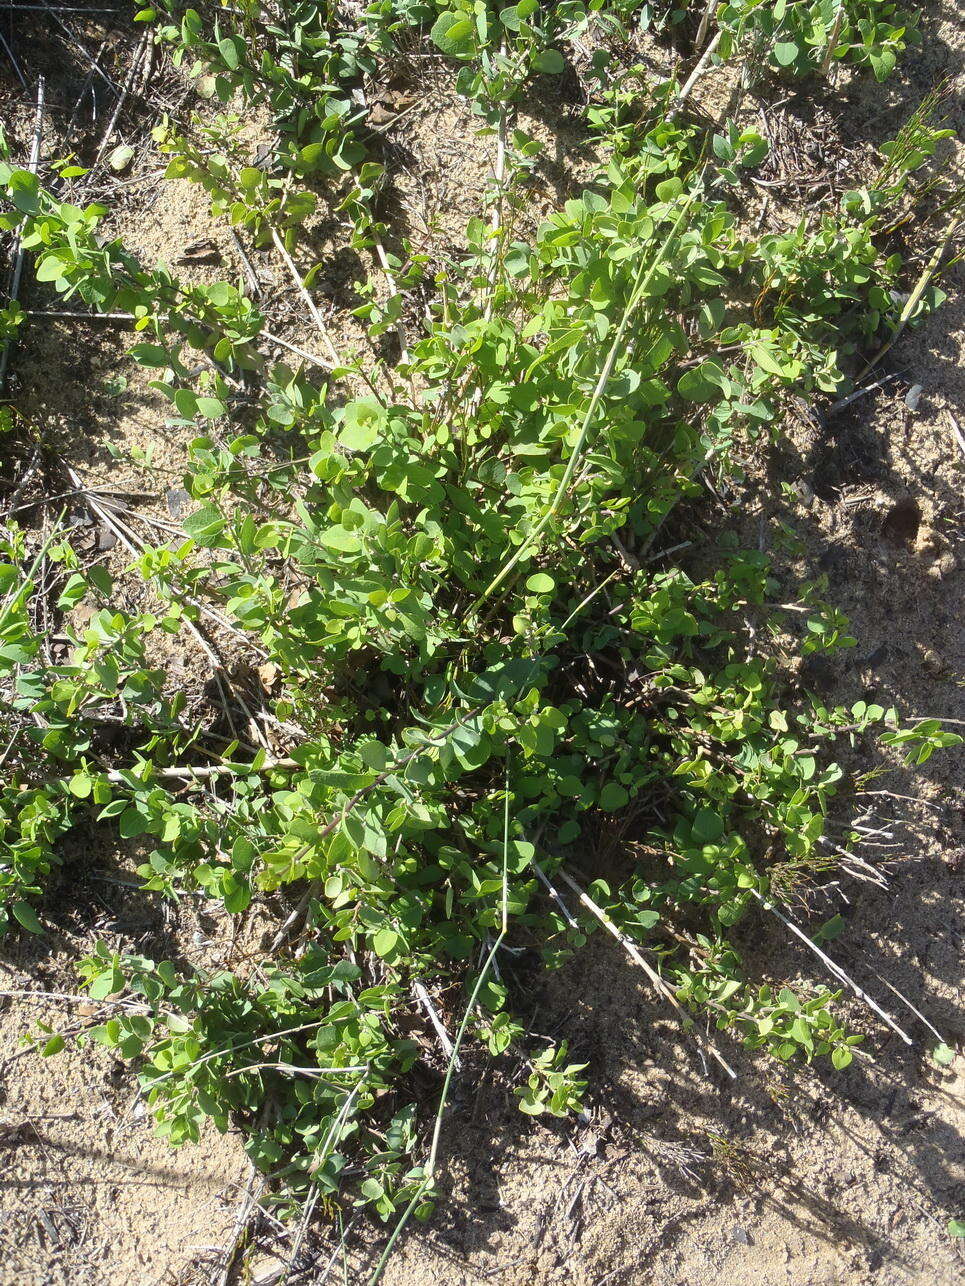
(176, 498)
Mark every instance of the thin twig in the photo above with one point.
(249, 1202)
(916, 295)
(444, 1040)
(13, 62)
(206, 772)
(709, 8)
(834, 968)
(254, 285)
(833, 40)
(122, 98)
(311, 358)
(694, 76)
(303, 291)
(630, 948)
(16, 274)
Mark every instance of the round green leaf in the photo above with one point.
(702, 384)
(453, 34)
(785, 52)
(612, 797)
(549, 61)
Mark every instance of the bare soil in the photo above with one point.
(674, 1177)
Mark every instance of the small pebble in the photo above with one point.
(176, 500)
(913, 396)
(804, 493)
(932, 661)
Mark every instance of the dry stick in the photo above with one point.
(291, 1069)
(17, 271)
(397, 326)
(67, 315)
(694, 76)
(78, 316)
(383, 258)
(249, 1202)
(907, 1003)
(13, 62)
(860, 392)
(959, 437)
(833, 40)
(915, 297)
(303, 291)
(244, 1044)
(444, 1040)
(835, 968)
(331, 1139)
(430, 1166)
(127, 538)
(122, 98)
(640, 284)
(497, 211)
(554, 894)
(344, 1232)
(630, 948)
(293, 348)
(206, 772)
(24, 994)
(254, 285)
(709, 8)
(92, 62)
(307, 1212)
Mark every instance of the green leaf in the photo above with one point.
(151, 355)
(612, 797)
(210, 407)
(707, 826)
(549, 62)
(72, 593)
(205, 525)
(454, 34)
(80, 785)
(785, 52)
(106, 984)
(50, 268)
(131, 823)
(362, 424)
(24, 914)
(956, 1227)
(540, 583)
(237, 896)
(841, 1057)
(702, 383)
(384, 943)
(229, 52)
(807, 767)
(943, 1055)
(53, 1046)
(338, 538)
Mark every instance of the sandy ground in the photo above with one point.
(674, 1178)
